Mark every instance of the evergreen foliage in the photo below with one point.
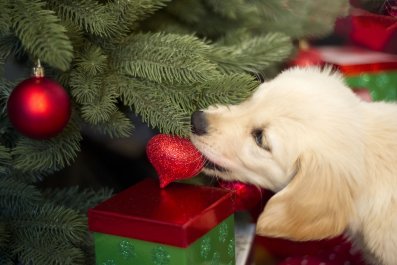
(41, 33)
(159, 59)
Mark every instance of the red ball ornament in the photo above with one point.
(307, 57)
(39, 107)
(173, 158)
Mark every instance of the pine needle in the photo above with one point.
(10, 44)
(5, 90)
(5, 256)
(46, 221)
(4, 235)
(92, 60)
(231, 89)
(5, 159)
(51, 251)
(41, 33)
(84, 90)
(5, 16)
(76, 198)
(89, 15)
(46, 155)
(117, 126)
(253, 55)
(129, 12)
(307, 19)
(153, 102)
(167, 58)
(195, 15)
(16, 196)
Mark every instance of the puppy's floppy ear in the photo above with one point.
(316, 204)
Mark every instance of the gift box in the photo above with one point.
(373, 31)
(181, 224)
(365, 69)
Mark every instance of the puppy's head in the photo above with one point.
(298, 135)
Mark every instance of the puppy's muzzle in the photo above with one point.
(199, 123)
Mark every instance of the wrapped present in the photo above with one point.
(365, 69)
(182, 224)
(374, 31)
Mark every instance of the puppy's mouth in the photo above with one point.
(206, 152)
(213, 166)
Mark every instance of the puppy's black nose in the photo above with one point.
(199, 123)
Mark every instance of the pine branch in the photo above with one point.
(2, 63)
(153, 102)
(17, 196)
(77, 199)
(4, 235)
(89, 15)
(231, 89)
(196, 10)
(118, 126)
(46, 221)
(41, 33)
(98, 97)
(47, 155)
(140, 9)
(130, 12)
(52, 251)
(165, 22)
(212, 26)
(101, 109)
(165, 58)
(5, 159)
(254, 54)
(92, 60)
(75, 35)
(307, 19)
(5, 90)
(5, 256)
(27, 177)
(10, 44)
(84, 90)
(248, 13)
(5, 15)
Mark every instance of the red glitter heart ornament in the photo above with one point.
(173, 158)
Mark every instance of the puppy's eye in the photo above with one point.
(260, 140)
(258, 135)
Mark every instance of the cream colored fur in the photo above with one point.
(330, 157)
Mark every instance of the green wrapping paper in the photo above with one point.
(215, 247)
(382, 85)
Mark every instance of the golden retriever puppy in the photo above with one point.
(330, 157)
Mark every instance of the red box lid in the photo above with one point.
(354, 60)
(176, 215)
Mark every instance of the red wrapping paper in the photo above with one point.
(372, 30)
(177, 215)
(247, 198)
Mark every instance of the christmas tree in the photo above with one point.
(159, 59)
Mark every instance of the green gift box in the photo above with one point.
(365, 69)
(182, 224)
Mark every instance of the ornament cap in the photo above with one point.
(304, 44)
(38, 70)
